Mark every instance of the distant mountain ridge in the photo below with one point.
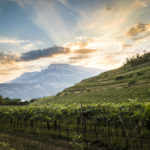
(46, 82)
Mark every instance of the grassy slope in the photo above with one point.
(116, 85)
(14, 141)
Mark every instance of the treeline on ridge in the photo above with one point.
(8, 101)
(138, 59)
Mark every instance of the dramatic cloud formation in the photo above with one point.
(11, 57)
(49, 52)
(138, 29)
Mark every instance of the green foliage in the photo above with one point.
(138, 59)
(108, 123)
(119, 77)
(5, 146)
(8, 101)
(79, 144)
(140, 73)
(114, 95)
(25, 141)
(132, 82)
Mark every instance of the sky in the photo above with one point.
(91, 33)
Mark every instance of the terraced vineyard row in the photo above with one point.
(119, 126)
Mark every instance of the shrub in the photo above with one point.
(130, 75)
(132, 82)
(119, 78)
(138, 59)
(140, 73)
(5, 146)
(79, 144)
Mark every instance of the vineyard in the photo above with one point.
(111, 110)
(121, 126)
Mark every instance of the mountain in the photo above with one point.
(47, 82)
(131, 81)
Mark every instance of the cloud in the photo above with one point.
(4, 40)
(19, 2)
(9, 70)
(108, 7)
(138, 28)
(9, 58)
(53, 51)
(124, 46)
(49, 52)
(6, 58)
(85, 51)
(28, 46)
(33, 45)
(139, 31)
(79, 55)
(78, 58)
(65, 2)
(141, 3)
(80, 43)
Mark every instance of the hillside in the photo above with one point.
(46, 82)
(131, 81)
(102, 124)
